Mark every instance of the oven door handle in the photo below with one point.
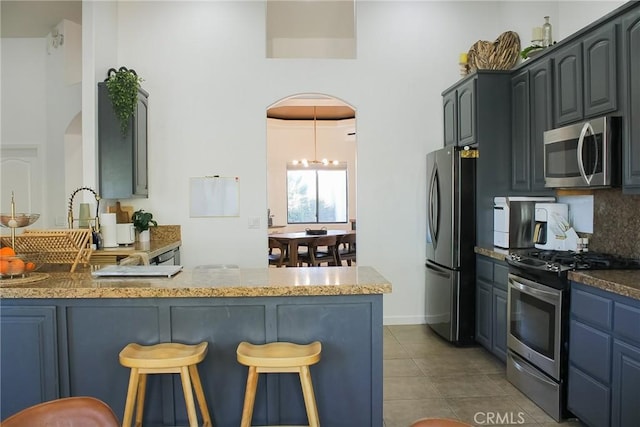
(550, 297)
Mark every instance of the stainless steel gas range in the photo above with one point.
(538, 320)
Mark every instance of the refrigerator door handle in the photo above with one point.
(438, 270)
(434, 206)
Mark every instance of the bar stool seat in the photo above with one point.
(279, 357)
(164, 358)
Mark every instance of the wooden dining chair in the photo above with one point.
(347, 248)
(279, 257)
(314, 257)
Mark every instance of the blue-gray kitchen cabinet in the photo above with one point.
(450, 116)
(459, 113)
(531, 116)
(477, 113)
(69, 347)
(491, 305)
(630, 35)
(604, 357)
(585, 76)
(122, 158)
(28, 357)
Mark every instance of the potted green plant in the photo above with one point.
(142, 221)
(123, 86)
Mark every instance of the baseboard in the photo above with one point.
(404, 320)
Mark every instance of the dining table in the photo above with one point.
(294, 239)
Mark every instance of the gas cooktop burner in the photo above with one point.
(559, 260)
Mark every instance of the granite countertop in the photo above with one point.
(621, 282)
(206, 281)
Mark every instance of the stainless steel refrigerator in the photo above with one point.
(450, 263)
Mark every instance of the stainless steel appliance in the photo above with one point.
(450, 263)
(538, 321)
(583, 154)
(513, 221)
(552, 223)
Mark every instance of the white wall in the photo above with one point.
(210, 84)
(24, 121)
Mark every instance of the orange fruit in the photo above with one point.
(7, 251)
(30, 266)
(16, 266)
(4, 266)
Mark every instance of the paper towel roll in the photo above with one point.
(84, 215)
(108, 230)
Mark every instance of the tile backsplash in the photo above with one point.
(616, 223)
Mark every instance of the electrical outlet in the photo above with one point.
(254, 222)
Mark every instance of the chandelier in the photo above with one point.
(315, 161)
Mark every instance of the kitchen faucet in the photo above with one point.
(70, 212)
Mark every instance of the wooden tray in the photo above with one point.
(56, 246)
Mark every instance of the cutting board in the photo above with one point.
(123, 213)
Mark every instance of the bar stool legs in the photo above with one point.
(279, 357)
(164, 358)
(249, 397)
(309, 396)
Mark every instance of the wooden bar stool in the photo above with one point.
(279, 357)
(164, 358)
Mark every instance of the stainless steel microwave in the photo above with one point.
(584, 154)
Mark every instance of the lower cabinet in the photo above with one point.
(55, 348)
(491, 305)
(604, 358)
(29, 372)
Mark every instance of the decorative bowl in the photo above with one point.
(21, 265)
(21, 220)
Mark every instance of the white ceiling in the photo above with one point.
(24, 18)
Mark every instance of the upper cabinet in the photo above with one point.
(122, 161)
(476, 113)
(459, 110)
(585, 76)
(467, 113)
(531, 116)
(631, 90)
(600, 71)
(450, 114)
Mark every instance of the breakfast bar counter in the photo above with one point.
(61, 337)
(207, 281)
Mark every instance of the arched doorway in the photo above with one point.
(313, 127)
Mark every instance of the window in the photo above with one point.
(311, 29)
(316, 195)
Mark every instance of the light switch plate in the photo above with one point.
(254, 222)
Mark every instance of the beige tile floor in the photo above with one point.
(425, 376)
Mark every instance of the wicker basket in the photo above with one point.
(502, 54)
(56, 246)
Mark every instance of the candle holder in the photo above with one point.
(464, 64)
